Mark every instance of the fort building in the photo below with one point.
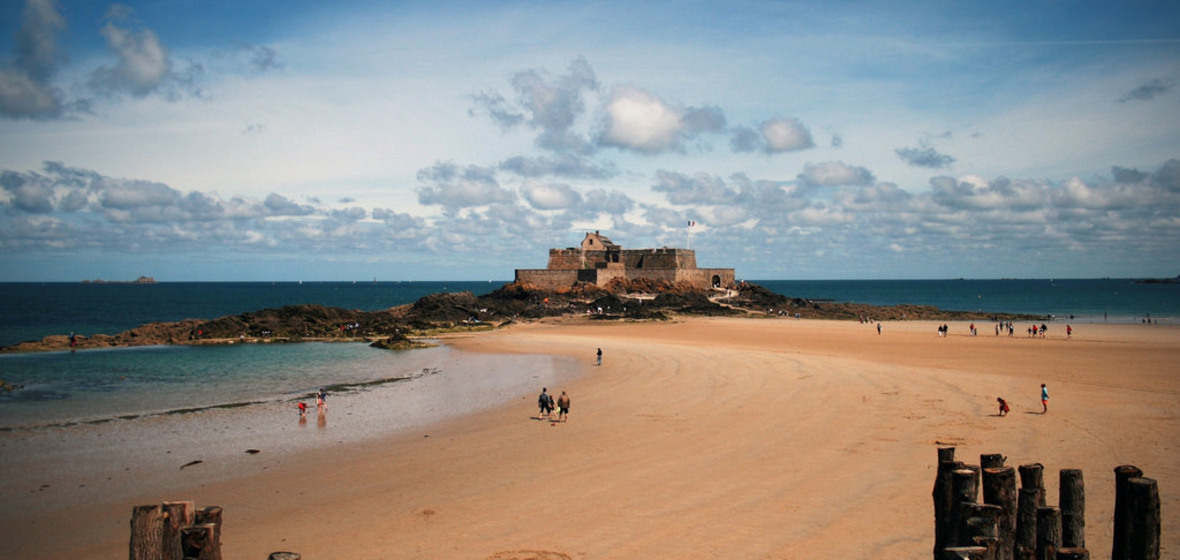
(599, 261)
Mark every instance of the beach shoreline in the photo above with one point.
(699, 437)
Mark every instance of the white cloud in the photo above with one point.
(25, 88)
(143, 64)
(637, 120)
(549, 196)
(834, 173)
(785, 135)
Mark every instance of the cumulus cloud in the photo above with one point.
(547, 104)
(558, 165)
(834, 173)
(455, 187)
(25, 88)
(925, 157)
(612, 203)
(549, 196)
(637, 120)
(699, 189)
(143, 63)
(773, 136)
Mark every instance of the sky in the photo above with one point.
(219, 140)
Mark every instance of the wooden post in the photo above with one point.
(999, 489)
(147, 532)
(199, 541)
(1145, 519)
(1032, 476)
(991, 461)
(284, 556)
(1073, 554)
(981, 519)
(1048, 532)
(1122, 515)
(1025, 547)
(180, 514)
(943, 490)
(965, 491)
(1073, 509)
(992, 544)
(212, 515)
(964, 553)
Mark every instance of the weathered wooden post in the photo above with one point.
(199, 542)
(1032, 476)
(175, 531)
(155, 530)
(964, 553)
(1122, 515)
(943, 490)
(965, 491)
(1025, 546)
(991, 461)
(999, 489)
(980, 520)
(212, 516)
(1145, 514)
(147, 532)
(1048, 532)
(1073, 509)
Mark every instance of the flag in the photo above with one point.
(691, 223)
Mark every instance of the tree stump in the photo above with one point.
(1073, 509)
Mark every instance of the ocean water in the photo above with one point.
(1087, 300)
(103, 385)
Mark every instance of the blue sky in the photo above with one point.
(217, 140)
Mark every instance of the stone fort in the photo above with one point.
(599, 260)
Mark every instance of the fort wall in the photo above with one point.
(599, 261)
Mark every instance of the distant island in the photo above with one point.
(140, 280)
(1175, 280)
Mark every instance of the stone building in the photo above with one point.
(599, 260)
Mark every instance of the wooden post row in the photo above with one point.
(175, 531)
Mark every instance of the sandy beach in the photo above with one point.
(697, 438)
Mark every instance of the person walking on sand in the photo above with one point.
(600, 356)
(545, 401)
(563, 407)
(1044, 399)
(321, 401)
(1003, 406)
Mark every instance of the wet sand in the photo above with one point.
(700, 438)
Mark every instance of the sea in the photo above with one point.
(90, 386)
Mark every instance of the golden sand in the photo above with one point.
(703, 438)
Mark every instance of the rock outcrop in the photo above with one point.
(398, 326)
